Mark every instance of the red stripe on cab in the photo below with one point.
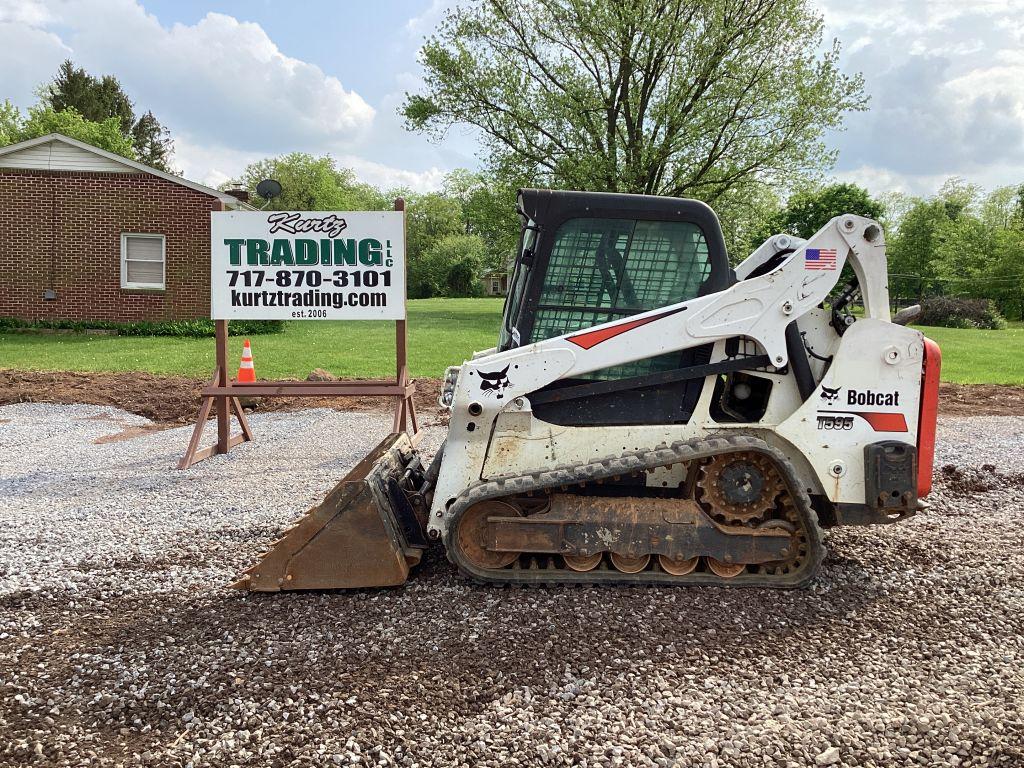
(590, 339)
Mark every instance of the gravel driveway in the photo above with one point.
(120, 644)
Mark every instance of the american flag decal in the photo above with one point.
(820, 258)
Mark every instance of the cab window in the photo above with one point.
(601, 270)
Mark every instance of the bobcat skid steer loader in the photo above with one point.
(649, 414)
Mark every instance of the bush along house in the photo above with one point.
(87, 235)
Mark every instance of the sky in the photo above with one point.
(238, 81)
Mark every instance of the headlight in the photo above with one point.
(451, 376)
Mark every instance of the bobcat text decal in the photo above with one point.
(844, 420)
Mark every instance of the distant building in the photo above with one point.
(89, 235)
(495, 283)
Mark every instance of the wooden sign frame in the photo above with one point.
(221, 395)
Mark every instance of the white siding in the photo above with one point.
(58, 156)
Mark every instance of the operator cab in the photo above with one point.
(587, 258)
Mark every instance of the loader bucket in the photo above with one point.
(366, 533)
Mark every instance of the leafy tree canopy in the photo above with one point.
(962, 243)
(687, 98)
(15, 127)
(98, 99)
(808, 210)
(430, 217)
(94, 98)
(488, 210)
(450, 267)
(310, 183)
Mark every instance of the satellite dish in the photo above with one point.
(268, 189)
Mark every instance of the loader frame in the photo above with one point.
(759, 309)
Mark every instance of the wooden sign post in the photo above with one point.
(222, 394)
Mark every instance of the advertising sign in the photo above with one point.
(307, 265)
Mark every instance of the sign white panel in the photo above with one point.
(307, 265)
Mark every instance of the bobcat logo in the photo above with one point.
(830, 395)
(495, 382)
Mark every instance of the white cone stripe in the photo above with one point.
(246, 364)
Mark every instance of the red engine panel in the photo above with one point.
(927, 417)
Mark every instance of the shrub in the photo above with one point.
(449, 267)
(960, 313)
(181, 328)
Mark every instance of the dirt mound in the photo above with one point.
(175, 399)
(969, 481)
(980, 400)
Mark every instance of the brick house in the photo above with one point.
(89, 235)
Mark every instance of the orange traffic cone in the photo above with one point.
(246, 371)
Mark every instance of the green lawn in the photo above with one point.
(981, 357)
(442, 332)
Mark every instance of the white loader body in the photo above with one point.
(875, 376)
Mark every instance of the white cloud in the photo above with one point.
(885, 180)
(946, 80)
(222, 86)
(209, 164)
(387, 177)
(219, 79)
(32, 12)
(25, 47)
(425, 22)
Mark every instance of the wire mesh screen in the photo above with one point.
(605, 269)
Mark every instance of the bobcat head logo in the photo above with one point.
(830, 395)
(495, 382)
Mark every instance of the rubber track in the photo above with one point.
(625, 464)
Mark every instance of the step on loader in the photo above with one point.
(649, 414)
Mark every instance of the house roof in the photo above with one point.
(134, 165)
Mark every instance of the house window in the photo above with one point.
(142, 261)
(495, 287)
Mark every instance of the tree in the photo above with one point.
(430, 217)
(959, 243)
(94, 98)
(488, 210)
(745, 215)
(922, 228)
(450, 267)
(152, 142)
(43, 120)
(979, 251)
(10, 123)
(808, 210)
(310, 184)
(99, 98)
(670, 97)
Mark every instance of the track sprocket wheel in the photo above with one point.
(739, 487)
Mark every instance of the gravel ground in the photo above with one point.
(120, 644)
